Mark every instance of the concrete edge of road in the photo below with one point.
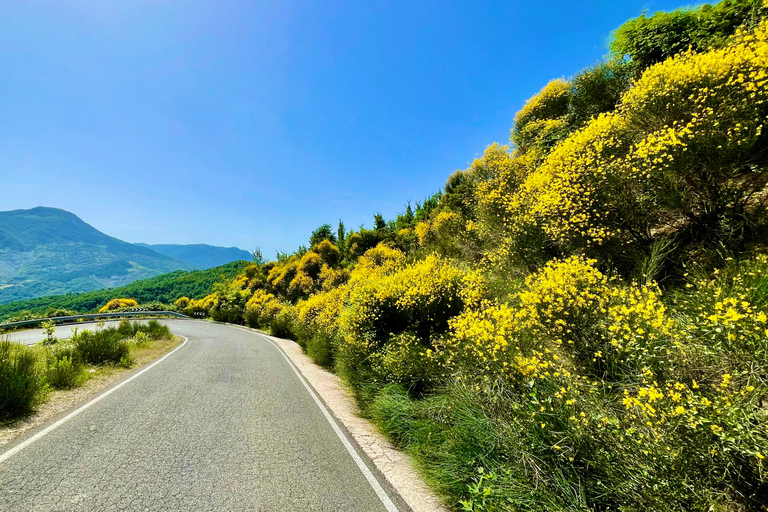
(393, 469)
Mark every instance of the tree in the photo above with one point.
(341, 233)
(322, 233)
(258, 257)
(648, 40)
(378, 222)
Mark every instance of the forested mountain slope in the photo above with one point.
(46, 251)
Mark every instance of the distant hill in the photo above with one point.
(46, 251)
(201, 256)
(164, 288)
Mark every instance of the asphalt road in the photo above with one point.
(223, 423)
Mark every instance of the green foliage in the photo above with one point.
(283, 325)
(65, 368)
(649, 40)
(597, 89)
(50, 329)
(21, 382)
(113, 344)
(101, 347)
(165, 289)
(324, 232)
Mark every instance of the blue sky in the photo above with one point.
(251, 123)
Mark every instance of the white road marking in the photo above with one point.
(16, 449)
(385, 499)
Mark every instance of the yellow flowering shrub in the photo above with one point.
(548, 104)
(678, 145)
(198, 307)
(417, 299)
(261, 309)
(442, 233)
(118, 304)
(712, 423)
(492, 340)
(569, 317)
(181, 302)
(380, 260)
(728, 313)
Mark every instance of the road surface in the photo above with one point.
(223, 423)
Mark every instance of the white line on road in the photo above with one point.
(16, 449)
(383, 496)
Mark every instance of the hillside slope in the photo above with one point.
(200, 256)
(46, 251)
(164, 288)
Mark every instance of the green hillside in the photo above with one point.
(46, 251)
(165, 288)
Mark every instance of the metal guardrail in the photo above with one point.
(57, 319)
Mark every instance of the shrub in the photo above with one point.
(65, 368)
(648, 40)
(118, 304)
(683, 155)
(261, 309)
(140, 340)
(101, 347)
(282, 325)
(412, 304)
(50, 336)
(155, 330)
(21, 382)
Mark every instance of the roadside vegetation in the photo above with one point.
(28, 374)
(578, 320)
(157, 293)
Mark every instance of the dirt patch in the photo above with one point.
(101, 378)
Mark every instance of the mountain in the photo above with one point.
(201, 256)
(47, 251)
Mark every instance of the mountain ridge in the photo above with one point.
(202, 256)
(45, 251)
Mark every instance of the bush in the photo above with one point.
(21, 382)
(65, 368)
(282, 325)
(682, 156)
(648, 40)
(115, 304)
(101, 347)
(261, 309)
(155, 330)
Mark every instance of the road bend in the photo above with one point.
(224, 423)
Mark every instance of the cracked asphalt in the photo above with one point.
(221, 424)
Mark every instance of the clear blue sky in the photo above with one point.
(251, 123)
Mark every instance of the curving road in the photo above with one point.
(222, 424)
